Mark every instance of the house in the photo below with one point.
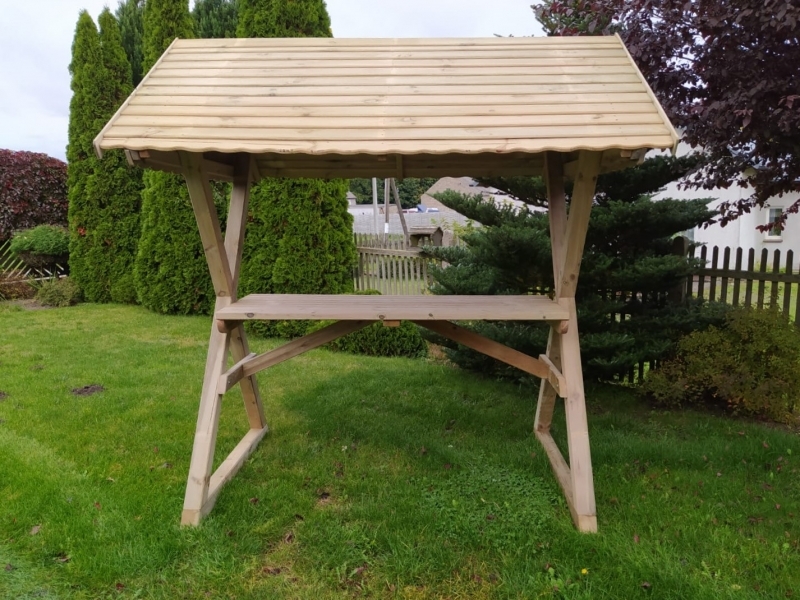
(742, 232)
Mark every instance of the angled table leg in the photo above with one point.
(205, 437)
(234, 245)
(568, 237)
(224, 259)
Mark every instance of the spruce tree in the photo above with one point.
(300, 238)
(130, 15)
(86, 69)
(215, 18)
(628, 269)
(113, 190)
(170, 273)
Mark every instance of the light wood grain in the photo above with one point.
(380, 88)
(235, 80)
(382, 147)
(393, 308)
(417, 135)
(578, 222)
(173, 107)
(417, 123)
(367, 101)
(370, 44)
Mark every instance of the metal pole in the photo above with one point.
(375, 202)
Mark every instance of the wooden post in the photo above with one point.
(223, 259)
(568, 237)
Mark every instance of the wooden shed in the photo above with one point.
(242, 109)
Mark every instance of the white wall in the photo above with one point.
(742, 232)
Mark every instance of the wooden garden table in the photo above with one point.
(244, 109)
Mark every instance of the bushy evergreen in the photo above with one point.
(106, 219)
(164, 20)
(299, 238)
(299, 241)
(628, 269)
(215, 18)
(170, 274)
(278, 18)
(130, 15)
(85, 112)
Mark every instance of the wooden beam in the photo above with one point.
(509, 356)
(171, 163)
(580, 458)
(560, 466)
(547, 393)
(205, 437)
(233, 375)
(231, 465)
(557, 208)
(301, 345)
(578, 222)
(208, 223)
(554, 376)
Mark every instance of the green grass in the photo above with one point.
(380, 478)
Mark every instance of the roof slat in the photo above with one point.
(558, 144)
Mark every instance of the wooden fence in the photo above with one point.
(14, 272)
(731, 277)
(387, 265)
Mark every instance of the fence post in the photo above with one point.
(677, 295)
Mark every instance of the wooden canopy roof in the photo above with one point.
(309, 107)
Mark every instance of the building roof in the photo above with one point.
(390, 107)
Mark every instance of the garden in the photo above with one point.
(430, 487)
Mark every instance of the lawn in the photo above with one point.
(380, 478)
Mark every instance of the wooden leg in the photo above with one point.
(583, 508)
(547, 394)
(205, 437)
(252, 399)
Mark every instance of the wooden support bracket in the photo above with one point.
(233, 375)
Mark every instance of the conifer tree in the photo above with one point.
(300, 237)
(130, 15)
(215, 18)
(113, 191)
(628, 269)
(170, 274)
(86, 69)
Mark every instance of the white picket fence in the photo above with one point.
(387, 265)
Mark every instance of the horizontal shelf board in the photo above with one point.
(391, 308)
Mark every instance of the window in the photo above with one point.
(774, 216)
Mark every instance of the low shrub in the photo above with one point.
(379, 340)
(14, 286)
(44, 239)
(750, 365)
(59, 292)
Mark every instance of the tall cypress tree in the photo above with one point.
(170, 273)
(130, 15)
(86, 69)
(113, 190)
(215, 18)
(300, 235)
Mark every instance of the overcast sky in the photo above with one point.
(37, 36)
